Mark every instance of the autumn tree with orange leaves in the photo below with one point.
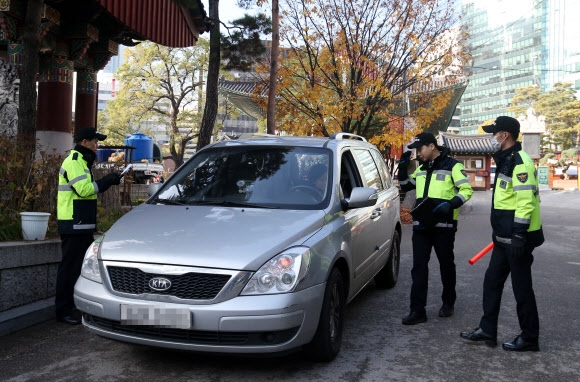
(348, 66)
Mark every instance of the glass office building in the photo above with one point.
(516, 44)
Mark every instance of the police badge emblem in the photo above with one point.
(523, 177)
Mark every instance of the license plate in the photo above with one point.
(178, 318)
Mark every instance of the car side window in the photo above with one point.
(348, 174)
(382, 169)
(369, 168)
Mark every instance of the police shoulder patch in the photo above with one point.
(523, 177)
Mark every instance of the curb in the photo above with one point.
(26, 315)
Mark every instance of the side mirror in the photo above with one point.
(360, 197)
(153, 188)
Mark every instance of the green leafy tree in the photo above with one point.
(524, 99)
(560, 109)
(570, 131)
(242, 44)
(551, 104)
(159, 84)
(569, 156)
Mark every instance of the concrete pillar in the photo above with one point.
(86, 99)
(55, 91)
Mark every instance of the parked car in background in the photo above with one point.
(572, 172)
(252, 246)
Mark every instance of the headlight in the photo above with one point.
(281, 274)
(90, 268)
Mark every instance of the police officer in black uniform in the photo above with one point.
(517, 230)
(441, 188)
(77, 216)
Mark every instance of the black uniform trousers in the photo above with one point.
(502, 262)
(443, 241)
(69, 270)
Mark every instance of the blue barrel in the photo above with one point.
(143, 147)
(104, 154)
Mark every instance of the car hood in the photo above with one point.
(207, 236)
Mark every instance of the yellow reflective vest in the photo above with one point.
(77, 194)
(448, 183)
(516, 198)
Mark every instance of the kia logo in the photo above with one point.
(160, 284)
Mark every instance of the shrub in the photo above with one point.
(29, 182)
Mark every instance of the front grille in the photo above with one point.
(193, 336)
(192, 286)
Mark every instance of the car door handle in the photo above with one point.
(376, 213)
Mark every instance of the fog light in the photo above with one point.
(269, 337)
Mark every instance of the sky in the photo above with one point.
(228, 10)
(503, 12)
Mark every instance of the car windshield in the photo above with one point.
(252, 176)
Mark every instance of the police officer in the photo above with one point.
(441, 188)
(77, 216)
(517, 230)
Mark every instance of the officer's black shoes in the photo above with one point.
(72, 318)
(446, 310)
(519, 344)
(479, 335)
(414, 318)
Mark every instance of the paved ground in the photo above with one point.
(376, 346)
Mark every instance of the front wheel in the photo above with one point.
(326, 342)
(389, 275)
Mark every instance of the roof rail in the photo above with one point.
(341, 135)
(256, 135)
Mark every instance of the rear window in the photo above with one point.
(370, 170)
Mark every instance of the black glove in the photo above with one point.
(405, 159)
(112, 179)
(442, 209)
(518, 244)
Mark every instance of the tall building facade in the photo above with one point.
(107, 81)
(516, 44)
(563, 43)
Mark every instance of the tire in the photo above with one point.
(326, 342)
(388, 276)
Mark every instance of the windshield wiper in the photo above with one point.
(168, 202)
(229, 203)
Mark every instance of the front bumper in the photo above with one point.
(244, 324)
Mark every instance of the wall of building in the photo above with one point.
(516, 44)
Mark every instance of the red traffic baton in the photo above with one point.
(481, 253)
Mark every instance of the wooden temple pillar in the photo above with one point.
(86, 99)
(55, 94)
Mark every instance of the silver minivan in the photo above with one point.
(253, 246)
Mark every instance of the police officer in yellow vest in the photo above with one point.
(77, 216)
(517, 230)
(441, 188)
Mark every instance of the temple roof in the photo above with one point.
(240, 94)
(166, 22)
(91, 30)
(467, 144)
